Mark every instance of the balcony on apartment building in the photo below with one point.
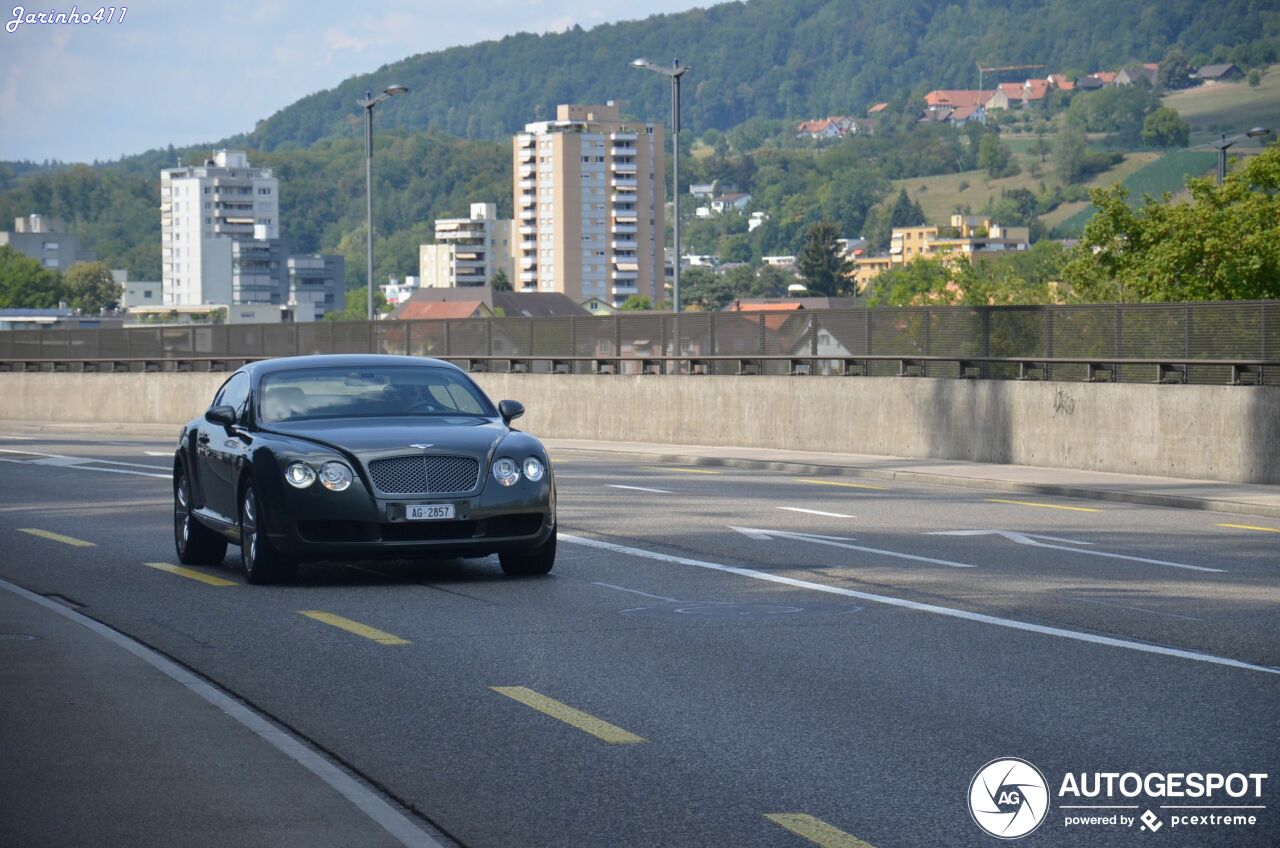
(623, 136)
(621, 228)
(625, 183)
(528, 185)
(529, 276)
(624, 244)
(625, 167)
(528, 230)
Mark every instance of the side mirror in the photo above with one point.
(223, 415)
(510, 410)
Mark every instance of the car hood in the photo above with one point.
(368, 438)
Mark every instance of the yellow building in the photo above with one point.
(968, 236)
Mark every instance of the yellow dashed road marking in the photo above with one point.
(57, 537)
(373, 633)
(844, 485)
(1252, 527)
(585, 722)
(1044, 505)
(190, 573)
(816, 831)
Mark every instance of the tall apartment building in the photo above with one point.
(468, 251)
(589, 196)
(205, 209)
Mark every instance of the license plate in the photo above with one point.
(428, 512)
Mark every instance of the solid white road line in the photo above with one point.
(62, 459)
(933, 609)
(369, 802)
(841, 542)
(638, 489)
(816, 512)
(1139, 609)
(637, 592)
(1029, 539)
(79, 467)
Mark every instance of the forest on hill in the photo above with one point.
(773, 59)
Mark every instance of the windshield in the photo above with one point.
(375, 392)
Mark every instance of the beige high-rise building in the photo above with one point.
(589, 196)
(468, 251)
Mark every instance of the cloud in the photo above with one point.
(186, 71)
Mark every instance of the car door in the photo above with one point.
(220, 450)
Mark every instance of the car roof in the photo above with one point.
(342, 360)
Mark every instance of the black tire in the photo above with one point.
(262, 563)
(195, 543)
(538, 561)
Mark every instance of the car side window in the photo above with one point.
(235, 393)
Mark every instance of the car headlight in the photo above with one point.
(300, 475)
(534, 469)
(506, 472)
(335, 476)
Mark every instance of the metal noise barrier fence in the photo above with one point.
(1183, 332)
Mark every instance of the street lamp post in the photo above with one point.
(674, 72)
(368, 103)
(1224, 143)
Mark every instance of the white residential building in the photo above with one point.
(204, 209)
(469, 251)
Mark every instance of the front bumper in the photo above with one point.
(316, 524)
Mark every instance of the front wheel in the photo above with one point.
(195, 543)
(262, 563)
(538, 561)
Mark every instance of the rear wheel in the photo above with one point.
(538, 561)
(262, 563)
(195, 543)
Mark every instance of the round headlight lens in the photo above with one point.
(506, 472)
(300, 475)
(534, 469)
(335, 476)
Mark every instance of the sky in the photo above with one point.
(184, 72)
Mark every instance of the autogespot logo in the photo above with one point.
(1008, 798)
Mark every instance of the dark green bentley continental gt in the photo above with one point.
(355, 457)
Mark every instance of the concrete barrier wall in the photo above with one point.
(1229, 433)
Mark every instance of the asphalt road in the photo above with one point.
(716, 647)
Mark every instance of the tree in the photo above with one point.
(1175, 70)
(25, 283)
(1165, 128)
(906, 212)
(1069, 152)
(822, 262)
(704, 288)
(637, 303)
(1255, 78)
(1224, 244)
(995, 158)
(357, 308)
(500, 281)
(90, 289)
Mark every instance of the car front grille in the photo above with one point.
(422, 475)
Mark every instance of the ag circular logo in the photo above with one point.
(1008, 798)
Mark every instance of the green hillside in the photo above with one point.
(774, 59)
(1168, 174)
